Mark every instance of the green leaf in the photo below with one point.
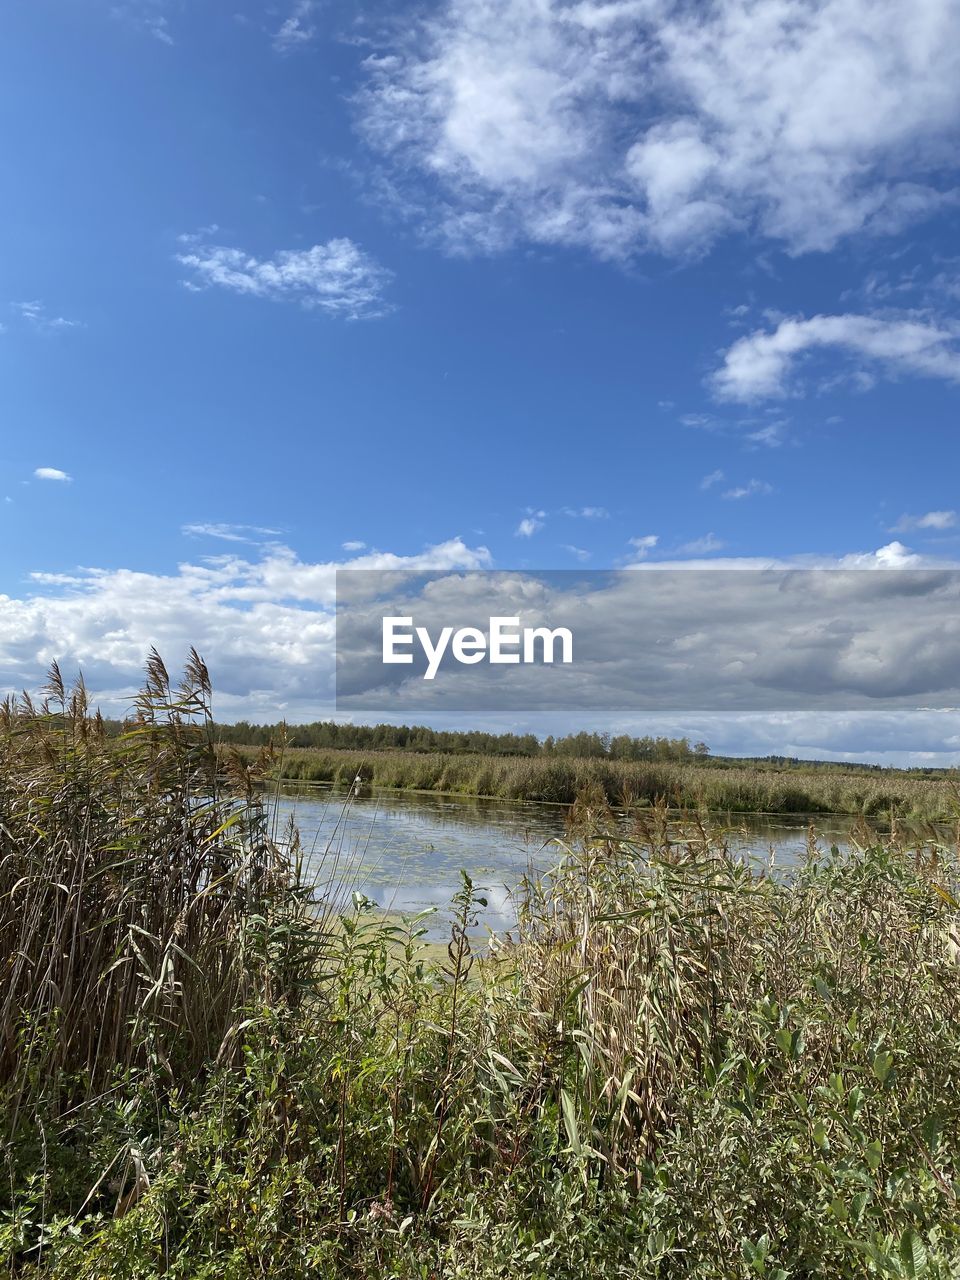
(791, 1042)
(947, 896)
(570, 1122)
(913, 1253)
(756, 1254)
(882, 1065)
(932, 1130)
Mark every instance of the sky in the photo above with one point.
(487, 284)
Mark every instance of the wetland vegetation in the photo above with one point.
(676, 1066)
(629, 770)
(693, 785)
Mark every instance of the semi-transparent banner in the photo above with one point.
(414, 643)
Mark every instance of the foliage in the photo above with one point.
(676, 1067)
(713, 786)
(422, 738)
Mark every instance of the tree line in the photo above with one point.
(393, 737)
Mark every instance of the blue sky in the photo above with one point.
(535, 284)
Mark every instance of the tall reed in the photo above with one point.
(676, 1066)
(560, 779)
(132, 890)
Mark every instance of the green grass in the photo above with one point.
(677, 1068)
(714, 787)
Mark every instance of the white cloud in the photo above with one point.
(578, 553)
(645, 544)
(771, 436)
(586, 513)
(655, 124)
(354, 546)
(715, 477)
(748, 490)
(297, 28)
(931, 520)
(337, 277)
(147, 15)
(701, 546)
(35, 315)
(760, 364)
(228, 532)
(893, 556)
(266, 626)
(527, 527)
(52, 473)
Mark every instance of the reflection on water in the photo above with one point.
(405, 851)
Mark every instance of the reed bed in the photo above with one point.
(129, 882)
(675, 1066)
(686, 785)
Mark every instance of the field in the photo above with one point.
(676, 1068)
(717, 786)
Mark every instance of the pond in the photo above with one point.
(405, 850)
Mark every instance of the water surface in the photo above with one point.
(405, 850)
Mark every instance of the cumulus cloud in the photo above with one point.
(893, 556)
(528, 526)
(52, 473)
(354, 545)
(931, 520)
(651, 638)
(655, 124)
(338, 277)
(265, 626)
(760, 364)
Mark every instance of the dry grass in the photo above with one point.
(711, 788)
(677, 1068)
(128, 886)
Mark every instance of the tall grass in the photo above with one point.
(686, 785)
(129, 884)
(675, 1066)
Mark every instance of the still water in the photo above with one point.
(405, 851)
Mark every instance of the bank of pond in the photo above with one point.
(747, 788)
